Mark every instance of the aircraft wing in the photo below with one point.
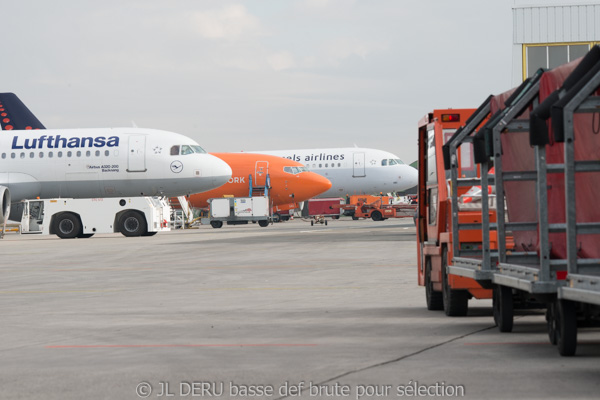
(15, 115)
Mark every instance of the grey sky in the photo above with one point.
(252, 75)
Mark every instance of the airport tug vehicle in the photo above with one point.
(82, 218)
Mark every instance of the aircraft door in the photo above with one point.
(136, 158)
(260, 173)
(359, 165)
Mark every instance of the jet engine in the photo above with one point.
(4, 204)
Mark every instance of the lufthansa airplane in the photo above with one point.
(355, 170)
(88, 163)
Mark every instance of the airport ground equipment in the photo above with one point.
(182, 215)
(255, 208)
(238, 211)
(82, 218)
(378, 208)
(317, 210)
(576, 123)
(436, 216)
(546, 189)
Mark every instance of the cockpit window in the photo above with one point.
(294, 170)
(198, 149)
(391, 161)
(185, 149)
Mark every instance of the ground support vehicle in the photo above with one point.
(436, 243)
(579, 298)
(549, 211)
(82, 218)
(182, 215)
(317, 210)
(378, 208)
(239, 210)
(255, 208)
(516, 275)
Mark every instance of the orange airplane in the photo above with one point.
(290, 182)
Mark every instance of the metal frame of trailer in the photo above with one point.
(583, 279)
(533, 274)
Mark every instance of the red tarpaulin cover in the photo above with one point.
(518, 155)
(587, 185)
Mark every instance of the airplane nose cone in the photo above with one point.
(412, 177)
(220, 172)
(312, 185)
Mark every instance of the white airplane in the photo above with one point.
(90, 163)
(354, 170)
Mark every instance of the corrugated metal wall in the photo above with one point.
(553, 24)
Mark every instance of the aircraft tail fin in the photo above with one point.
(15, 115)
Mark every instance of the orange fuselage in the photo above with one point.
(286, 189)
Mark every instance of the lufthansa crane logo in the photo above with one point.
(176, 166)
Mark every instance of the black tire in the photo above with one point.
(433, 298)
(354, 218)
(216, 224)
(276, 218)
(335, 217)
(149, 234)
(263, 223)
(552, 323)
(456, 302)
(567, 327)
(502, 304)
(132, 224)
(312, 223)
(376, 216)
(85, 235)
(326, 223)
(67, 226)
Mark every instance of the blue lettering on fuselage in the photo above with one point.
(59, 142)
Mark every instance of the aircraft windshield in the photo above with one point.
(391, 161)
(294, 170)
(186, 149)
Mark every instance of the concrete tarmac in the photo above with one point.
(288, 311)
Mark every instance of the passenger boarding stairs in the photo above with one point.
(182, 214)
(259, 190)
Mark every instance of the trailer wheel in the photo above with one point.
(312, 223)
(263, 223)
(567, 327)
(216, 224)
(132, 223)
(456, 302)
(376, 215)
(67, 226)
(502, 304)
(552, 323)
(276, 217)
(434, 299)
